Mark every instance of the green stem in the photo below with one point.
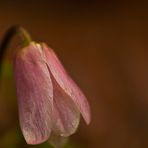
(13, 31)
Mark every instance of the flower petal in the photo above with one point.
(35, 94)
(66, 112)
(66, 83)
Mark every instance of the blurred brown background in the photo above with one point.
(104, 47)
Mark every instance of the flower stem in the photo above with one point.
(12, 32)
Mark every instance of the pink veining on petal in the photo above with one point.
(35, 94)
(66, 83)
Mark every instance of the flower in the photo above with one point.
(49, 101)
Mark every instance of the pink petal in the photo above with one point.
(66, 83)
(35, 94)
(66, 112)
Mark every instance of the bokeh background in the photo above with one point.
(104, 46)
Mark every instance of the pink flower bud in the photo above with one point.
(49, 101)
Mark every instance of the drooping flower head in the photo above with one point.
(50, 102)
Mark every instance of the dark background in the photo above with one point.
(104, 46)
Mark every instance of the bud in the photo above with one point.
(49, 101)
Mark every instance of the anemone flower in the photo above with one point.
(49, 101)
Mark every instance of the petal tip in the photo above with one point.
(32, 140)
(87, 118)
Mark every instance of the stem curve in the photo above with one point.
(11, 32)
